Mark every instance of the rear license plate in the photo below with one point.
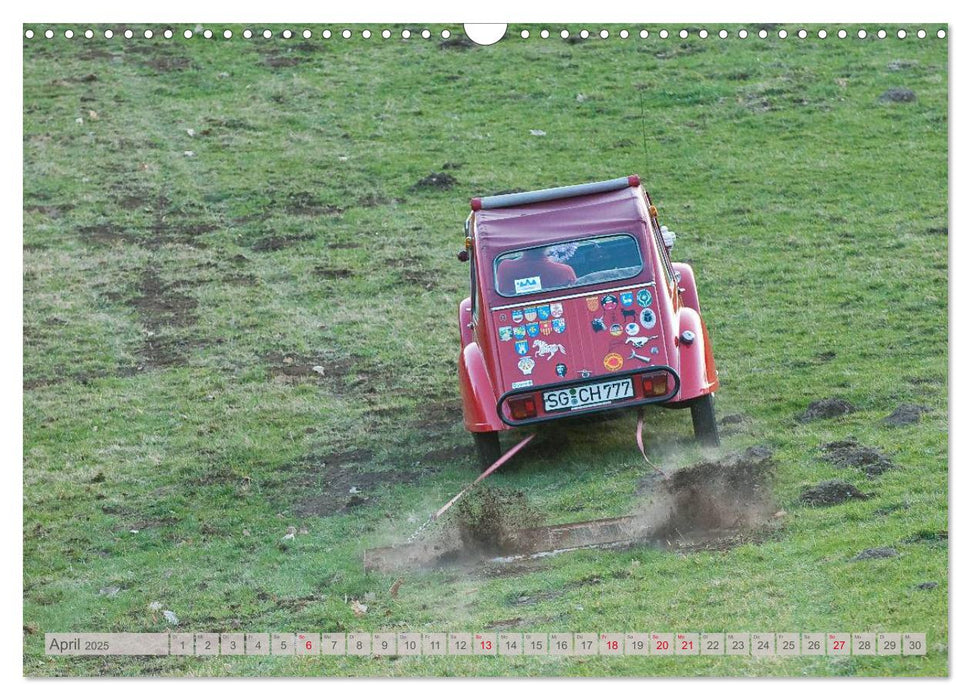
(585, 396)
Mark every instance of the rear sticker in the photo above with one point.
(546, 327)
(609, 302)
(598, 324)
(593, 303)
(613, 362)
(644, 297)
(522, 347)
(637, 342)
(556, 310)
(527, 285)
(654, 351)
(532, 329)
(543, 312)
(523, 384)
(627, 299)
(526, 365)
(615, 329)
(517, 316)
(561, 370)
(530, 313)
(628, 314)
(519, 332)
(648, 319)
(632, 329)
(547, 350)
(505, 333)
(559, 325)
(635, 356)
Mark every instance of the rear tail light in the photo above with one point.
(654, 384)
(522, 407)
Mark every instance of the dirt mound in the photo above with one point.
(436, 181)
(831, 493)
(849, 453)
(826, 408)
(876, 553)
(898, 95)
(905, 414)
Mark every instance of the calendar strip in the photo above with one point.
(384, 644)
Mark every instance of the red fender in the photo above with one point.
(478, 396)
(686, 285)
(694, 357)
(465, 318)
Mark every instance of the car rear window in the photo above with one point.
(575, 263)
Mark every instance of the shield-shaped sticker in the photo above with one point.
(559, 325)
(593, 303)
(505, 333)
(530, 313)
(532, 329)
(519, 332)
(526, 365)
(522, 347)
(543, 312)
(517, 316)
(556, 310)
(546, 327)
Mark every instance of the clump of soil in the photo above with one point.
(898, 94)
(905, 414)
(457, 41)
(831, 493)
(734, 492)
(271, 243)
(849, 453)
(490, 520)
(926, 586)
(436, 181)
(876, 553)
(826, 408)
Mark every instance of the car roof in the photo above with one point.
(501, 228)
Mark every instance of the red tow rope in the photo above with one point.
(640, 442)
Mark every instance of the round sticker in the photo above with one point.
(615, 329)
(613, 362)
(632, 329)
(609, 302)
(644, 297)
(648, 319)
(526, 365)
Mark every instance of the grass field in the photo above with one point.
(208, 221)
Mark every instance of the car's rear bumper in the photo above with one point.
(638, 399)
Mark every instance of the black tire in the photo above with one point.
(487, 447)
(703, 418)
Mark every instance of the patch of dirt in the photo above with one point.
(282, 61)
(831, 493)
(732, 419)
(849, 453)
(338, 488)
(271, 243)
(826, 408)
(293, 365)
(876, 553)
(905, 414)
(169, 63)
(106, 234)
(436, 181)
(456, 453)
(490, 520)
(132, 201)
(926, 586)
(332, 273)
(927, 537)
(161, 307)
(305, 204)
(242, 280)
(53, 211)
(898, 94)
(457, 41)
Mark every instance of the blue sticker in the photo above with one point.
(644, 297)
(517, 316)
(543, 312)
(505, 333)
(532, 329)
(522, 347)
(559, 325)
(627, 299)
(519, 332)
(561, 370)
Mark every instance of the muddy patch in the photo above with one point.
(905, 414)
(306, 204)
(162, 307)
(272, 243)
(294, 366)
(457, 41)
(328, 272)
(339, 488)
(826, 408)
(849, 453)
(876, 553)
(104, 234)
(436, 181)
(831, 493)
(52, 211)
(898, 94)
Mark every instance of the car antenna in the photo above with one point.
(640, 96)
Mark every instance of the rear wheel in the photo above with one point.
(487, 448)
(703, 418)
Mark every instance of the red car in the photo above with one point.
(575, 307)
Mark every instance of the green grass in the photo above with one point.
(165, 293)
